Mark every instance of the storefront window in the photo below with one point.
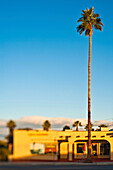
(39, 148)
(104, 149)
(80, 148)
(50, 149)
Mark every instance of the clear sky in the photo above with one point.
(44, 61)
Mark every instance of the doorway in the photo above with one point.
(94, 150)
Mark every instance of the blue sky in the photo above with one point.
(43, 60)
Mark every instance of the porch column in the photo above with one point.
(56, 155)
(70, 152)
(70, 139)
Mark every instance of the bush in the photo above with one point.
(3, 154)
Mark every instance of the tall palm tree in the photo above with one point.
(89, 20)
(76, 124)
(46, 125)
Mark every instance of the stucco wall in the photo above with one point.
(23, 139)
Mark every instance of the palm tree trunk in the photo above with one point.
(77, 127)
(89, 99)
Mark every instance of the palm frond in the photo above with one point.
(79, 28)
(90, 12)
(83, 11)
(80, 19)
(87, 32)
(96, 15)
(99, 21)
(98, 27)
(82, 30)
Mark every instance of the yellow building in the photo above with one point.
(56, 145)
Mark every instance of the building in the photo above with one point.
(59, 145)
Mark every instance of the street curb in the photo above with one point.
(53, 163)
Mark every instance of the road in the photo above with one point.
(55, 167)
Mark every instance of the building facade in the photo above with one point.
(59, 145)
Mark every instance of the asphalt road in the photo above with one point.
(55, 167)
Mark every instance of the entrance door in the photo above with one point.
(94, 150)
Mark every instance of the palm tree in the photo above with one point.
(86, 127)
(103, 125)
(89, 20)
(76, 124)
(11, 125)
(66, 127)
(46, 125)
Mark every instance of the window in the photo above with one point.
(80, 148)
(40, 148)
(104, 149)
(50, 149)
(37, 148)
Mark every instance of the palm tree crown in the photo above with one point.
(46, 125)
(66, 127)
(103, 125)
(76, 124)
(11, 125)
(88, 21)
